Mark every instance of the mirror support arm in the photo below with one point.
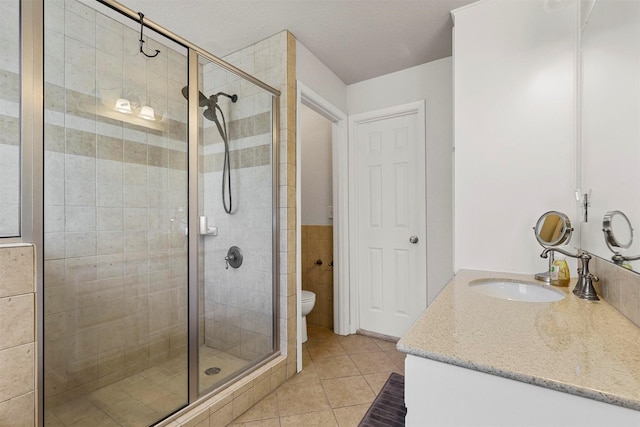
(619, 259)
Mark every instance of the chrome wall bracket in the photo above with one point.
(585, 201)
(205, 229)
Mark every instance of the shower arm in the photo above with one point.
(233, 97)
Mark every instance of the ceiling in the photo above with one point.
(356, 39)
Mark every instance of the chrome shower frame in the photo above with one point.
(32, 184)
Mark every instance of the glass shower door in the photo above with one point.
(116, 197)
(10, 105)
(236, 289)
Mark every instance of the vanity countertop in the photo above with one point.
(583, 348)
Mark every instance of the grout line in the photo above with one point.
(322, 338)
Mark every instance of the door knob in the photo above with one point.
(413, 239)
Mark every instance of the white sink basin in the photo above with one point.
(514, 290)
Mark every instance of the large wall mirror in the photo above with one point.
(610, 120)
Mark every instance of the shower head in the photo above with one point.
(210, 113)
(211, 102)
(203, 101)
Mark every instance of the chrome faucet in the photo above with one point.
(584, 287)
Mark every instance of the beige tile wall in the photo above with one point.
(17, 336)
(273, 61)
(317, 243)
(619, 286)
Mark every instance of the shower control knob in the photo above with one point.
(413, 239)
(234, 257)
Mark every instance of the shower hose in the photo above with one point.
(226, 168)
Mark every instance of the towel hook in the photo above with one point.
(142, 41)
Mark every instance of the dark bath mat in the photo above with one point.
(388, 409)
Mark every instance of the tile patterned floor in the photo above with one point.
(340, 378)
(143, 398)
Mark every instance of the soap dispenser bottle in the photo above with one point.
(560, 272)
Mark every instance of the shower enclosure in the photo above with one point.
(159, 219)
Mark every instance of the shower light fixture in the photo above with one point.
(147, 113)
(123, 106)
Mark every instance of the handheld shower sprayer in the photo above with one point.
(211, 113)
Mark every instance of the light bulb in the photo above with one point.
(123, 106)
(147, 113)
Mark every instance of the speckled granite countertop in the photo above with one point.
(583, 348)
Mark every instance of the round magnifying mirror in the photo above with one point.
(553, 229)
(618, 221)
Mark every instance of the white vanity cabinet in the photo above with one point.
(440, 394)
(478, 360)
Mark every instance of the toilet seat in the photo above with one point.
(308, 302)
(307, 296)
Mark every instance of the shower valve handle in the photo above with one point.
(228, 258)
(233, 258)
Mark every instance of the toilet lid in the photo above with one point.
(308, 296)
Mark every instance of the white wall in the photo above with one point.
(514, 130)
(401, 87)
(317, 191)
(316, 76)
(433, 83)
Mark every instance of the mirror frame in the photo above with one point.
(607, 228)
(565, 235)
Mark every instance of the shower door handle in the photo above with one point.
(205, 230)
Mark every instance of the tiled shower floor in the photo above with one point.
(143, 398)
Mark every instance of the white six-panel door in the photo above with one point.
(389, 177)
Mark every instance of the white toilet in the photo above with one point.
(308, 301)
